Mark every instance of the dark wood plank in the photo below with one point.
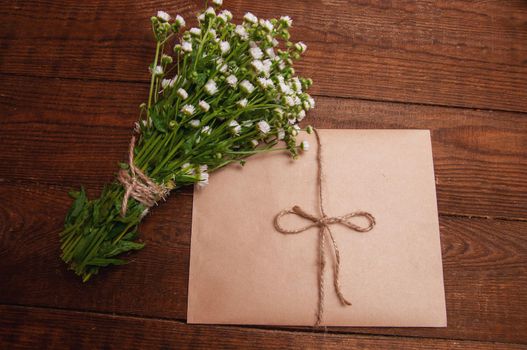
(458, 53)
(71, 132)
(485, 268)
(30, 328)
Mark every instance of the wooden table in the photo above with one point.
(74, 72)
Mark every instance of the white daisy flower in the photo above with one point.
(203, 176)
(217, 2)
(287, 21)
(249, 17)
(194, 123)
(297, 85)
(270, 52)
(300, 46)
(163, 16)
(211, 87)
(186, 46)
(180, 21)
(165, 83)
(311, 102)
(284, 88)
(182, 93)
(204, 106)
(246, 86)
(280, 134)
(275, 42)
(267, 25)
(227, 14)
(266, 67)
(241, 32)
(258, 66)
(188, 169)
(232, 80)
(225, 47)
(263, 126)
(201, 17)
(254, 143)
(188, 109)
(301, 115)
(158, 70)
(242, 103)
(256, 52)
(289, 101)
(206, 130)
(210, 12)
(235, 127)
(304, 145)
(195, 31)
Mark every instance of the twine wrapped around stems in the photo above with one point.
(138, 185)
(323, 222)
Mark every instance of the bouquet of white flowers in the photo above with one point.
(228, 91)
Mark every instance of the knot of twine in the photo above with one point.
(323, 222)
(138, 185)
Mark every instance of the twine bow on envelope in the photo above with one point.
(323, 222)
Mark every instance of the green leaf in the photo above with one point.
(106, 262)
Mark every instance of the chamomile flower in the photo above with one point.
(186, 46)
(182, 93)
(195, 123)
(204, 106)
(266, 24)
(225, 47)
(301, 47)
(256, 52)
(241, 32)
(217, 2)
(289, 101)
(263, 126)
(203, 176)
(165, 83)
(211, 88)
(254, 143)
(227, 14)
(258, 66)
(206, 130)
(286, 21)
(280, 134)
(270, 52)
(210, 12)
(180, 21)
(246, 86)
(242, 103)
(188, 169)
(301, 115)
(232, 80)
(162, 15)
(235, 127)
(250, 18)
(304, 145)
(188, 109)
(157, 71)
(195, 31)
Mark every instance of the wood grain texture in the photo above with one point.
(485, 268)
(30, 328)
(73, 73)
(456, 53)
(74, 132)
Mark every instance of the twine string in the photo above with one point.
(138, 185)
(323, 222)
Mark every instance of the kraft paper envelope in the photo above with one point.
(243, 271)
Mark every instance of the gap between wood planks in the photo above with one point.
(272, 329)
(354, 98)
